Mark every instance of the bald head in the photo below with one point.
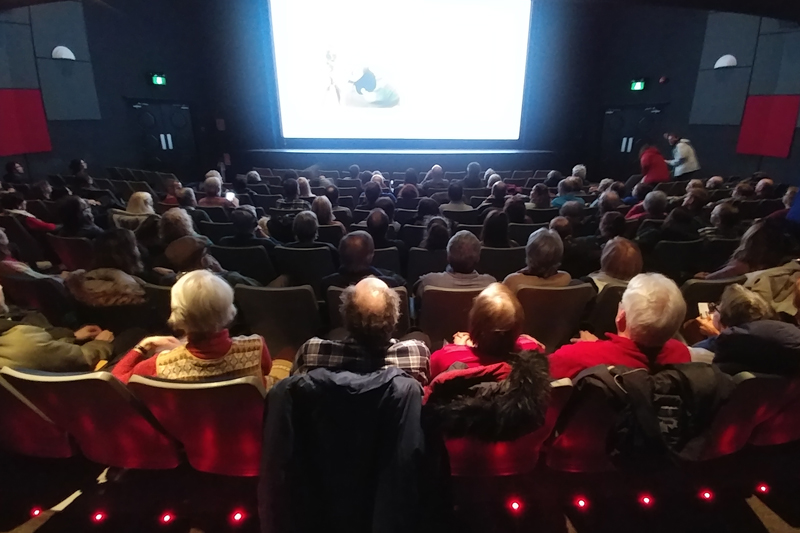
(499, 190)
(370, 311)
(495, 321)
(715, 182)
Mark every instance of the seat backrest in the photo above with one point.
(334, 299)
(500, 262)
(24, 429)
(250, 261)
(455, 175)
(705, 291)
(387, 259)
(541, 174)
(75, 253)
(522, 174)
(403, 216)
(331, 234)
(604, 313)
(349, 183)
(158, 299)
(784, 424)
(216, 231)
(542, 216)
(125, 220)
(462, 217)
(38, 209)
(678, 260)
(422, 261)
(359, 215)
(475, 229)
(30, 249)
(216, 213)
(110, 426)
(286, 317)
(480, 192)
(717, 253)
(263, 172)
(305, 266)
(412, 235)
(47, 296)
(553, 314)
(266, 201)
(218, 423)
(445, 312)
(521, 232)
(474, 458)
(477, 200)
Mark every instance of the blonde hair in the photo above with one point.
(304, 187)
(140, 203)
(322, 207)
(202, 304)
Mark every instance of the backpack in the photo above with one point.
(663, 416)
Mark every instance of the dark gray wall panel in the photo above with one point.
(17, 64)
(719, 96)
(59, 24)
(730, 33)
(777, 68)
(778, 26)
(20, 15)
(68, 90)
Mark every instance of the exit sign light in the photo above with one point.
(159, 79)
(637, 85)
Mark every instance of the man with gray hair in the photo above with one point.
(463, 255)
(543, 255)
(654, 207)
(566, 192)
(650, 314)
(370, 312)
(188, 202)
(212, 186)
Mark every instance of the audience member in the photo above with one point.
(322, 207)
(654, 207)
(15, 174)
(172, 185)
(455, 193)
(765, 189)
(176, 223)
(354, 170)
(640, 191)
(463, 256)
(763, 246)
(202, 308)
(291, 199)
(742, 192)
(581, 225)
(581, 254)
(77, 219)
(496, 201)
(677, 226)
(187, 202)
(356, 252)
(654, 167)
(253, 177)
(113, 281)
(473, 177)
(554, 177)
(332, 193)
(437, 234)
(694, 202)
(607, 202)
(14, 204)
(407, 197)
(620, 262)
(724, 223)
(140, 203)
(304, 187)
(213, 198)
(370, 312)
(540, 197)
(188, 254)
(612, 225)
(378, 226)
(434, 179)
(543, 256)
(515, 210)
(41, 190)
(372, 191)
(715, 182)
(566, 192)
(495, 231)
(493, 178)
(427, 208)
(304, 228)
(388, 207)
(579, 171)
(240, 186)
(10, 266)
(247, 231)
(650, 313)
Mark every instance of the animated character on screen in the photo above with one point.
(375, 91)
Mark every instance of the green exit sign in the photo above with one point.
(158, 79)
(637, 85)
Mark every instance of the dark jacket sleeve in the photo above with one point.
(274, 507)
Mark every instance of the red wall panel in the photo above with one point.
(768, 125)
(23, 125)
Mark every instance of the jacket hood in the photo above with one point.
(499, 402)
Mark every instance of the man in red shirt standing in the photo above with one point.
(650, 314)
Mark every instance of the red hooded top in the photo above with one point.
(654, 167)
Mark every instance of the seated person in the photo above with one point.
(77, 219)
(650, 314)
(356, 251)
(612, 225)
(678, 226)
(515, 210)
(654, 207)
(640, 192)
(765, 189)
(114, 279)
(495, 332)
(554, 177)
(575, 212)
(544, 253)
(540, 197)
(372, 191)
(427, 208)
(188, 202)
(291, 196)
(496, 201)
(140, 203)
(437, 234)
(608, 202)
(253, 177)
(378, 227)
(176, 223)
(788, 200)
(15, 175)
(741, 193)
(582, 254)
(304, 187)
(305, 228)
(567, 190)
(407, 197)
(473, 178)
(388, 207)
(172, 185)
(202, 308)
(42, 190)
(188, 254)
(239, 186)
(715, 182)
(332, 194)
(10, 266)
(247, 231)
(763, 246)
(455, 195)
(322, 207)
(620, 262)
(463, 255)
(370, 312)
(212, 186)
(724, 223)
(495, 231)
(13, 204)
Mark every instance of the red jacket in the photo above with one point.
(654, 167)
(568, 361)
(443, 358)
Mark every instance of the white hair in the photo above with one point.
(140, 203)
(212, 186)
(654, 309)
(304, 187)
(253, 177)
(202, 304)
(213, 174)
(580, 171)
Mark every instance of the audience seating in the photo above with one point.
(122, 188)
(218, 423)
(259, 188)
(108, 423)
(217, 214)
(387, 259)
(330, 174)
(74, 253)
(717, 252)
(349, 183)
(404, 216)
(343, 215)
(697, 291)
(500, 262)
(265, 313)
(412, 235)
(422, 261)
(266, 201)
(331, 234)
(604, 312)
(553, 314)
(334, 297)
(216, 231)
(475, 229)
(30, 249)
(26, 430)
(455, 175)
(251, 261)
(159, 298)
(39, 209)
(305, 266)
(784, 427)
(123, 219)
(445, 312)
(541, 174)
(47, 296)
(360, 215)
(522, 174)
(263, 172)
(462, 217)
(521, 232)
(542, 216)
(479, 192)
(677, 259)
(476, 201)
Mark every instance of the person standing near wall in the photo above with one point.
(684, 158)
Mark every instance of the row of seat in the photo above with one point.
(400, 176)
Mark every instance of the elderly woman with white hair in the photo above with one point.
(140, 203)
(650, 314)
(202, 309)
(212, 186)
(543, 255)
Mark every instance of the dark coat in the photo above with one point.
(500, 402)
(765, 346)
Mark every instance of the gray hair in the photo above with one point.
(370, 311)
(174, 224)
(212, 186)
(186, 197)
(655, 203)
(544, 252)
(305, 226)
(304, 187)
(253, 177)
(605, 183)
(740, 306)
(494, 178)
(654, 309)
(202, 304)
(580, 171)
(463, 252)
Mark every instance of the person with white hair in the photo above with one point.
(579, 171)
(304, 187)
(650, 314)
(213, 174)
(202, 308)
(212, 186)
(370, 312)
(543, 255)
(463, 255)
(140, 203)
(253, 177)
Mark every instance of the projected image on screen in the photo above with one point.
(416, 69)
